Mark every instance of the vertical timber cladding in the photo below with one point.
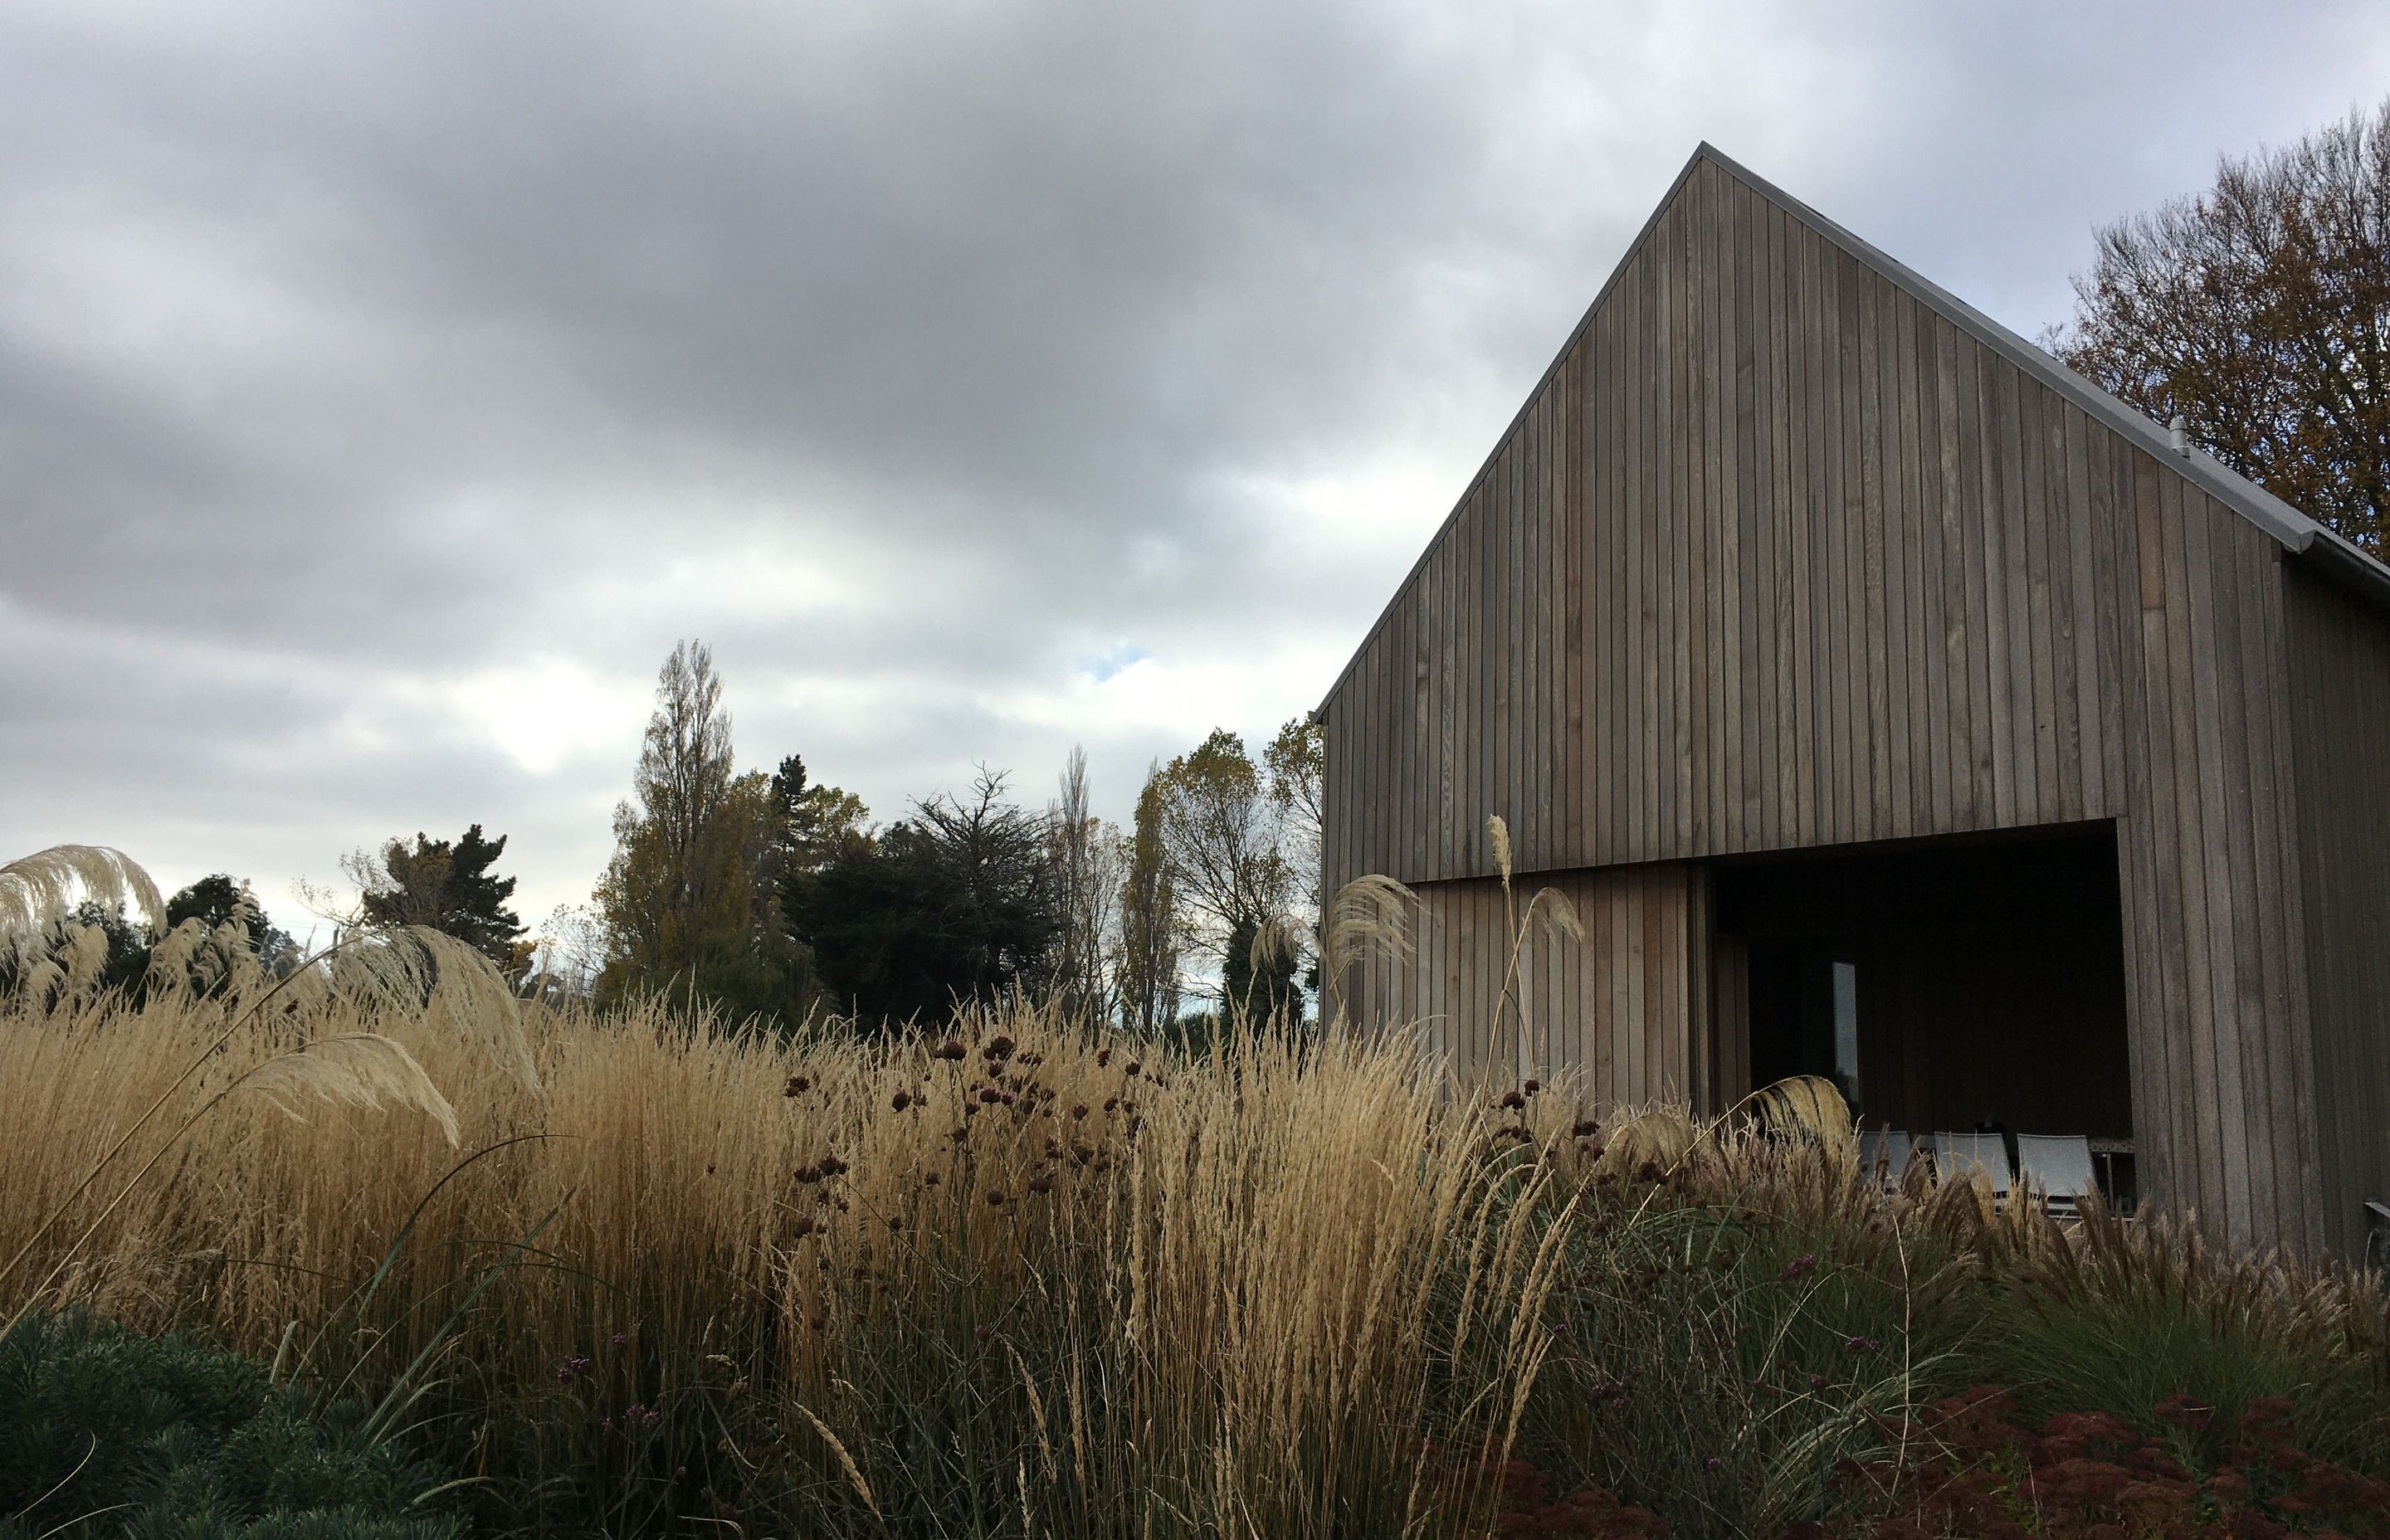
(2339, 699)
(1785, 552)
(1622, 1011)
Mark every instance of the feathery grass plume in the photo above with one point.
(198, 960)
(846, 1461)
(45, 886)
(1280, 936)
(40, 981)
(357, 1069)
(416, 970)
(1371, 912)
(81, 954)
(176, 957)
(1558, 912)
(1811, 1109)
(1655, 1137)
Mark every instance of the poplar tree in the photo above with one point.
(1148, 967)
(684, 892)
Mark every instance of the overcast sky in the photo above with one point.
(384, 388)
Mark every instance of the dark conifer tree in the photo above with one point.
(449, 887)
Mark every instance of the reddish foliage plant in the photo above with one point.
(1975, 1469)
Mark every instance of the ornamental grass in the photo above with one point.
(1029, 1278)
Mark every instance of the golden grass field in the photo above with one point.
(1035, 1280)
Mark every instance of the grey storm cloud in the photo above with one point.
(384, 389)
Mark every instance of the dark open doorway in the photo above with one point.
(1955, 985)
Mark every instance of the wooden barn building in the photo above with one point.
(1896, 706)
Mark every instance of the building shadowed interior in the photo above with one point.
(1972, 984)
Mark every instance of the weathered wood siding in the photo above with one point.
(2340, 747)
(1621, 1008)
(1780, 554)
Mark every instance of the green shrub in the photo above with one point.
(105, 1432)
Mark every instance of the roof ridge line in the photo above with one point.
(2295, 531)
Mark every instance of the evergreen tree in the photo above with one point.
(1259, 995)
(448, 885)
(957, 903)
(223, 899)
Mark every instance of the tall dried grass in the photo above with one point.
(1036, 1280)
(1023, 1267)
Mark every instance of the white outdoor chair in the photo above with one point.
(1955, 1155)
(2060, 1165)
(1885, 1152)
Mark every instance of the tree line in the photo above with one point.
(769, 896)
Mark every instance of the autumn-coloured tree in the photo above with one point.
(1220, 833)
(2259, 311)
(1297, 761)
(1241, 844)
(813, 822)
(687, 899)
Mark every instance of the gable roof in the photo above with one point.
(2331, 554)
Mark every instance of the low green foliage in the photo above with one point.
(105, 1431)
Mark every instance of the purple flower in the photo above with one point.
(1797, 1267)
(618, 1341)
(571, 1369)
